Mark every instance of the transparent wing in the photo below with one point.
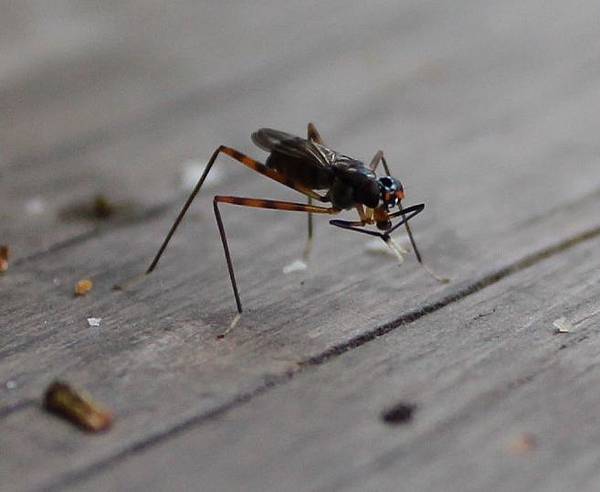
(272, 140)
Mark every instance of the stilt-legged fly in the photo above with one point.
(323, 175)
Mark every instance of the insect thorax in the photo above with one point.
(354, 183)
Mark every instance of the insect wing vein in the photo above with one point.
(272, 140)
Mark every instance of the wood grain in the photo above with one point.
(486, 120)
(481, 372)
(156, 361)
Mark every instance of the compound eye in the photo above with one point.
(386, 181)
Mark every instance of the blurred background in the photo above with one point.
(117, 97)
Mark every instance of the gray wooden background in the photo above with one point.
(490, 114)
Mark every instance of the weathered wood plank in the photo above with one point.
(489, 161)
(156, 359)
(481, 372)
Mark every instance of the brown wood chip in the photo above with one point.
(4, 252)
(76, 407)
(83, 287)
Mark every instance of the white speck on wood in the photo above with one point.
(94, 322)
(35, 206)
(295, 266)
(192, 171)
(562, 325)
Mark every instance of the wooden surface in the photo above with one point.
(487, 113)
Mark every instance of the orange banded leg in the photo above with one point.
(257, 203)
(259, 167)
(246, 161)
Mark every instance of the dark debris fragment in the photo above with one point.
(99, 209)
(399, 414)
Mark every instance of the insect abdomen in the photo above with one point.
(301, 171)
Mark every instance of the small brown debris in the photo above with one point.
(4, 252)
(524, 443)
(295, 266)
(83, 287)
(97, 208)
(103, 208)
(192, 171)
(76, 407)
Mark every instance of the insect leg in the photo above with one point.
(312, 134)
(410, 234)
(405, 217)
(354, 226)
(373, 166)
(375, 162)
(259, 167)
(309, 238)
(408, 214)
(246, 161)
(257, 203)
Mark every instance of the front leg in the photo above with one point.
(386, 238)
(407, 214)
(379, 157)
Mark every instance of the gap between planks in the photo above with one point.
(75, 477)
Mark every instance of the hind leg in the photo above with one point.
(312, 134)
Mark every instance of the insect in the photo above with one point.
(322, 175)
